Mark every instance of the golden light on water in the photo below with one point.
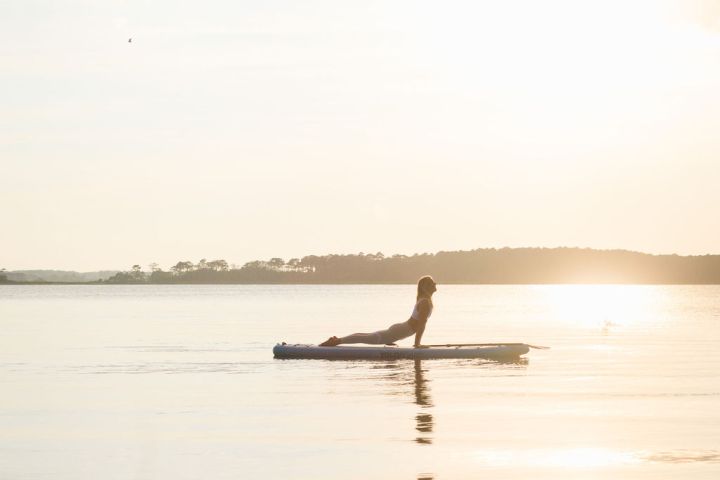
(603, 306)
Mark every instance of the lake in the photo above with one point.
(179, 382)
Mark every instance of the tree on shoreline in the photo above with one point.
(182, 267)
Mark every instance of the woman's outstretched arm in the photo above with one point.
(423, 311)
(419, 334)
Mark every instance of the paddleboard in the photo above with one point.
(386, 352)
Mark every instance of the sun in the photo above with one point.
(566, 66)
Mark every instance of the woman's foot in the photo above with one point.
(331, 342)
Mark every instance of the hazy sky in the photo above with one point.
(251, 129)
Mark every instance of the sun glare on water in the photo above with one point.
(603, 306)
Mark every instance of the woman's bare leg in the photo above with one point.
(372, 338)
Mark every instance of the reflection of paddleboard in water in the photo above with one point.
(493, 352)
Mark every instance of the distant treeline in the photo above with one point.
(482, 266)
(54, 276)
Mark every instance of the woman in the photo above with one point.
(414, 325)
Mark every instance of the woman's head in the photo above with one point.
(426, 286)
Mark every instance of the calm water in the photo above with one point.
(178, 382)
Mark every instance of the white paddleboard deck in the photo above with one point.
(386, 352)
